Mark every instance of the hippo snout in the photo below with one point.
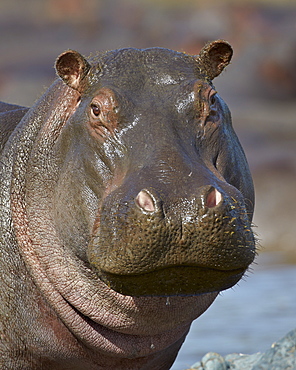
(157, 243)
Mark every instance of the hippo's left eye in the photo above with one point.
(95, 110)
(213, 99)
(213, 106)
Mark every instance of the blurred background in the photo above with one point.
(260, 89)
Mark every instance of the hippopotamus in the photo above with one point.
(126, 207)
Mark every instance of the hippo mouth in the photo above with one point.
(170, 281)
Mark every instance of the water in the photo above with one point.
(245, 319)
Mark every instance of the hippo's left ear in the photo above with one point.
(72, 67)
(214, 57)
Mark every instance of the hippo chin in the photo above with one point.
(126, 207)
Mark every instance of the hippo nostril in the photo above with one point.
(145, 201)
(213, 198)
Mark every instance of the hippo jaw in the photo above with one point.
(171, 281)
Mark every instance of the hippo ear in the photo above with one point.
(72, 67)
(214, 57)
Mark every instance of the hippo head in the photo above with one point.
(170, 198)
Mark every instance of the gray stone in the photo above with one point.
(281, 356)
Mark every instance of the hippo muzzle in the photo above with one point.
(177, 237)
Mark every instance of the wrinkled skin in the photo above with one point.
(126, 204)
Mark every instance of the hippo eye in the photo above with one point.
(213, 99)
(95, 109)
(213, 111)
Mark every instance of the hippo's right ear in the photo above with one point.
(72, 67)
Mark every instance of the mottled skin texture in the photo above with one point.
(126, 203)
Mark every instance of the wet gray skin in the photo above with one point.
(126, 207)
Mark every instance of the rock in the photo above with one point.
(281, 356)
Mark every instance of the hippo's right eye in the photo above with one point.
(95, 110)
